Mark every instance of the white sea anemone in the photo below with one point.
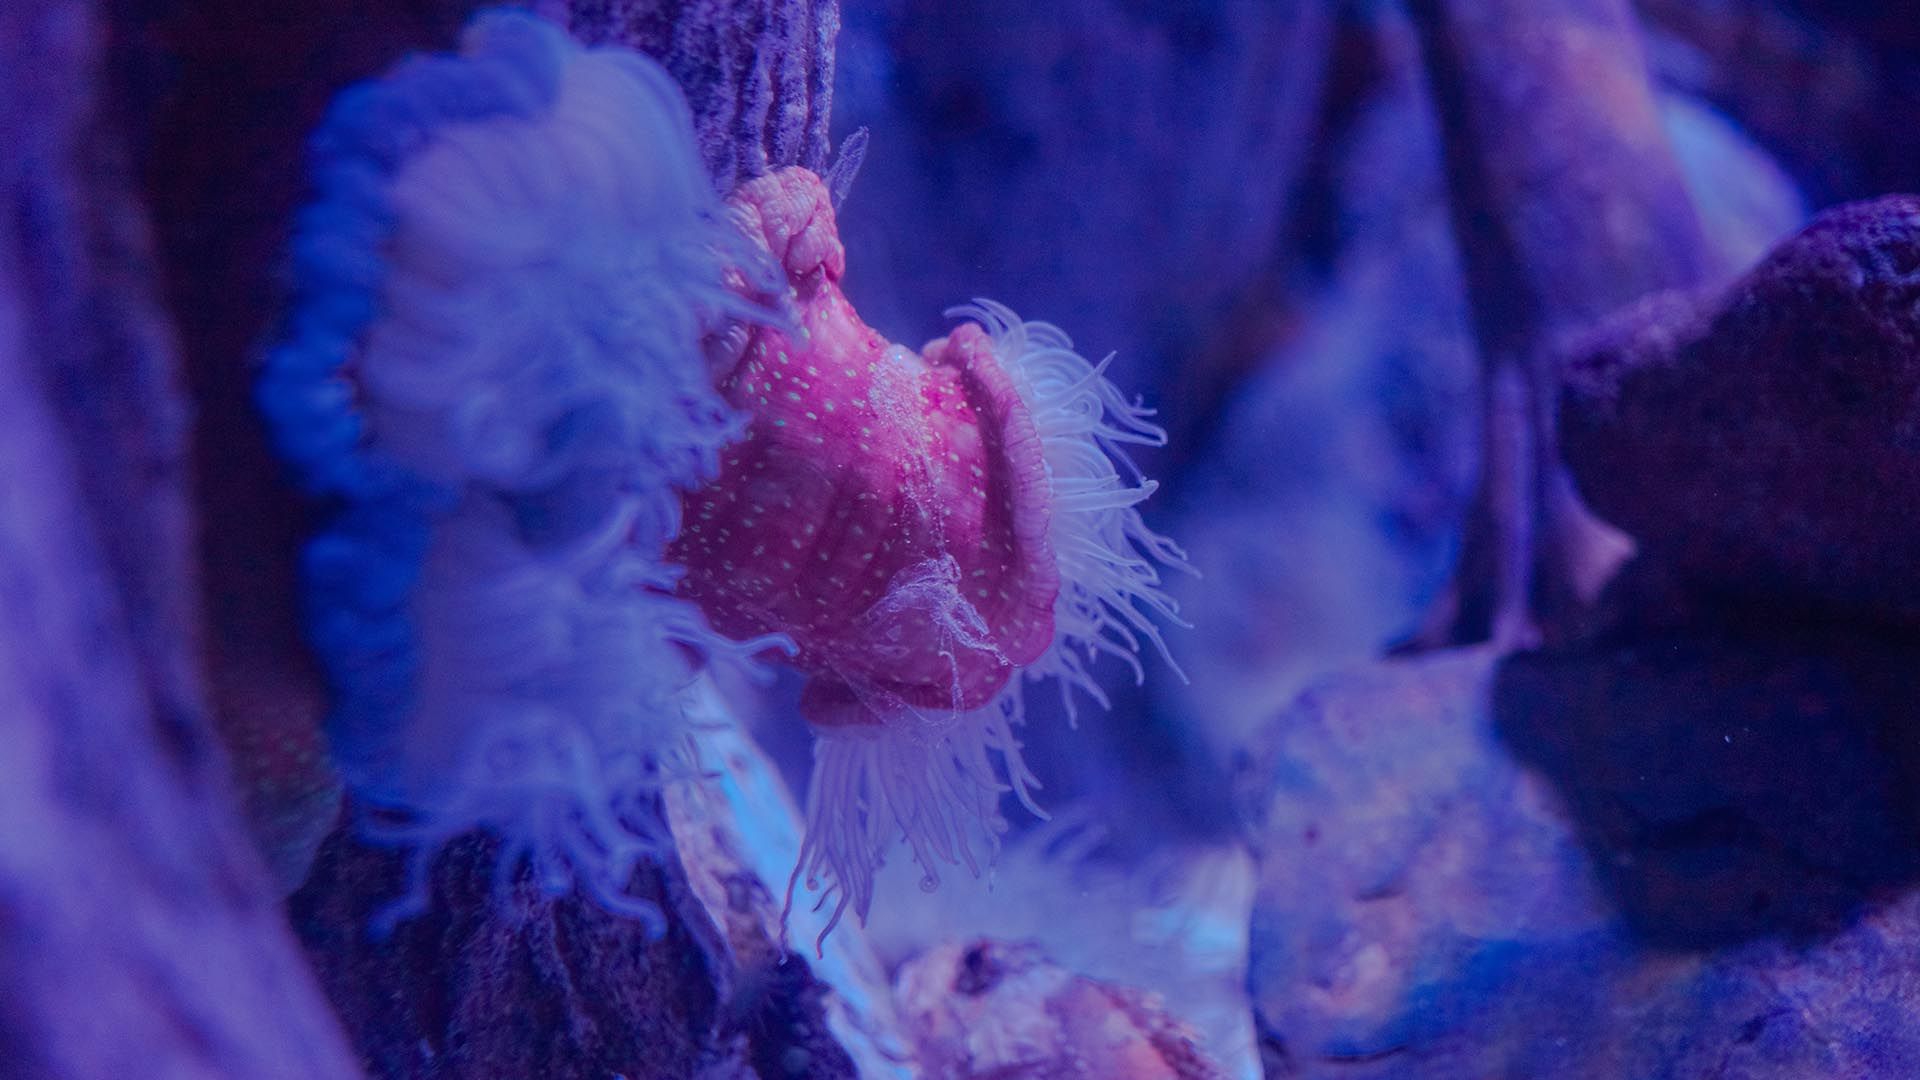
(495, 363)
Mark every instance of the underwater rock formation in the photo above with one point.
(1761, 440)
(1606, 861)
(521, 985)
(1682, 841)
(987, 1009)
(757, 73)
(140, 934)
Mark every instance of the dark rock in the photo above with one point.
(493, 984)
(1766, 441)
(736, 831)
(1687, 854)
(499, 982)
(1407, 865)
(1686, 763)
(1831, 86)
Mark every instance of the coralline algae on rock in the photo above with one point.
(1658, 857)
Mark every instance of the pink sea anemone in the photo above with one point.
(925, 528)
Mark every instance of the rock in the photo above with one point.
(758, 73)
(1829, 86)
(139, 932)
(1407, 866)
(495, 983)
(1766, 441)
(498, 983)
(738, 835)
(1355, 440)
(1679, 854)
(1170, 922)
(989, 1009)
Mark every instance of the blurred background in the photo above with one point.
(1675, 834)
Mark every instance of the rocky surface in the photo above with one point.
(485, 985)
(1829, 86)
(1354, 439)
(987, 1009)
(492, 985)
(1765, 441)
(1665, 856)
(139, 932)
(758, 73)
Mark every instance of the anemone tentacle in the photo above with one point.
(926, 775)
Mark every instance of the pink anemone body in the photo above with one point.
(886, 510)
(929, 530)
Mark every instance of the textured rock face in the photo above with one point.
(1829, 85)
(1684, 854)
(758, 73)
(528, 987)
(1407, 865)
(489, 987)
(1766, 441)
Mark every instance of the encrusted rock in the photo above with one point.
(1766, 441)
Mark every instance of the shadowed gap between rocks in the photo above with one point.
(1730, 783)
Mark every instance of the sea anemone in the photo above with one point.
(924, 527)
(494, 367)
(528, 344)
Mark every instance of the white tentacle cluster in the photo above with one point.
(494, 364)
(930, 778)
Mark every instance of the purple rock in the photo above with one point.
(139, 934)
(1764, 441)
(1678, 855)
